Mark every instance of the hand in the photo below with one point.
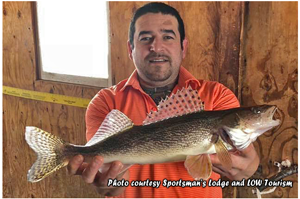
(91, 175)
(244, 164)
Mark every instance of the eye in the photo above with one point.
(168, 37)
(145, 39)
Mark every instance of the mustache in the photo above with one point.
(157, 55)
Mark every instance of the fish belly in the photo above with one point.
(160, 157)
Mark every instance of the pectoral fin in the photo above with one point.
(223, 154)
(198, 166)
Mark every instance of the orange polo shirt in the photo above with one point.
(129, 98)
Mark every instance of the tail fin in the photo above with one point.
(49, 150)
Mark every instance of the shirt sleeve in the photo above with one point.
(96, 112)
(224, 98)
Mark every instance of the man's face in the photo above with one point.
(157, 52)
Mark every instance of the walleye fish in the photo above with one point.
(180, 130)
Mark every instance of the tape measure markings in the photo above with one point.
(46, 97)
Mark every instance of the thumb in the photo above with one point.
(214, 159)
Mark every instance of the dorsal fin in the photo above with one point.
(114, 122)
(185, 101)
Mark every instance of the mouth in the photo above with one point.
(158, 60)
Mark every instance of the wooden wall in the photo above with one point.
(259, 65)
(270, 76)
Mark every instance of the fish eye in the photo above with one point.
(255, 110)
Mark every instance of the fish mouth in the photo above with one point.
(276, 114)
(271, 117)
(272, 113)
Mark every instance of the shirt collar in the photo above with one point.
(185, 79)
(132, 81)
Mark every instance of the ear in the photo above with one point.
(185, 46)
(129, 49)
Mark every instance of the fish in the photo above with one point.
(180, 130)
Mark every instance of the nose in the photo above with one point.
(157, 45)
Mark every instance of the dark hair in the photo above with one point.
(156, 7)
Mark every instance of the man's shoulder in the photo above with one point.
(107, 95)
(114, 89)
(210, 85)
(217, 96)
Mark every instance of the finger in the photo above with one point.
(92, 169)
(112, 173)
(74, 164)
(120, 175)
(219, 171)
(238, 160)
(249, 151)
(219, 168)
(243, 160)
(215, 160)
(82, 167)
(222, 171)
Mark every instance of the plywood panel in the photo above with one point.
(213, 31)
(18, 45)
(270, 76)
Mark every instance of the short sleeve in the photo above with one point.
(224, 98)
(96, 111)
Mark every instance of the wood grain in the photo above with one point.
(18, 45)
(270, 76)
(213, 31)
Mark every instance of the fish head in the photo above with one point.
(258, 119)
(244, 125)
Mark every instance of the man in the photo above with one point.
(157, 46)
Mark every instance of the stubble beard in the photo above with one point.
(158, 73)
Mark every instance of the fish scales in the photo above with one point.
(164, 138)
(186, 134)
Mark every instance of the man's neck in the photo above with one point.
(158, 93)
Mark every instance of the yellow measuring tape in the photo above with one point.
(46, 97)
